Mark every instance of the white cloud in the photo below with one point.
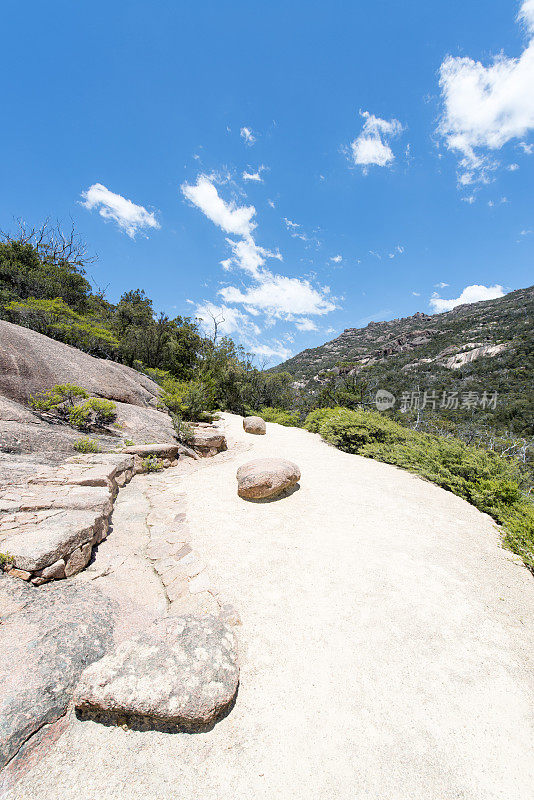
(513, 167)
(278, 352)
(441, 285)
(526, 233)
(247, 135)
(271, 203)
(471, 294)
(526, 15)
(293, 228)
(291, 225)
(249, 256)
(229, 320)
(130, 217)
(228, 216)
(372, 146)
(254, 176)
(305, 324)
(279, 296)
(337, 259)
(416, 294)
(267, 295)
(484, 107)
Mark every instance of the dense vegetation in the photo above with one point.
(412, 355)
(43, 286)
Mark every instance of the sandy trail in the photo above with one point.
(385, 645)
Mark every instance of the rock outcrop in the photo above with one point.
(208, 440)
(52, 517)
(266, 477)
(31, 362)
(254, 425)
(47, 639)
(181, 672)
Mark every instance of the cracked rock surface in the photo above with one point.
(47, 638)
(180, 670)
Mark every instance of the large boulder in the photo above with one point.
(47, 638)
(31, 362)
(266, 477)
(254, 425)
(181, 672)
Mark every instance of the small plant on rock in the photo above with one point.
(93, 413)
(152, 464)
(60, 396)
(86, 445)
(6, 560)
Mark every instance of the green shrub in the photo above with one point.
(79, 416)
(280, 416)
(93, 413)
(184, 431)
(6, 559)
(104, 411)
(86, 445)
(152, 464)
(187, 399)
(351, 430)
(315, 418)
(61, 395)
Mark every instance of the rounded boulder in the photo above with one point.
(254, 425)
(266, 477)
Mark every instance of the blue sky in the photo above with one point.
(292, 168)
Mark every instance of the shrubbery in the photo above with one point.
(152, 464)
(86, 445)
(280, 416)
(62, 401)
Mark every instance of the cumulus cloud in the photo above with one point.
(484, 107)
(526, 15)
(337, 259)
(372, 146)
(229, 320)
(279, 296)
(305, 324)
(265, 294)
(249, 256)
(471, 294)
(441, 285)
(227, 215)
(247, 135)
(130, 217)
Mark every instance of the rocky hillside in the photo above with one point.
(486, 346)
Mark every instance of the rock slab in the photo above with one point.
(181, 671)
(266, 477)
(167, 450)
(254, 425)
(47, 638)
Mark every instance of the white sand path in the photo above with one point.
(386, 648)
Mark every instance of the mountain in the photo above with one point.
(479, 347)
